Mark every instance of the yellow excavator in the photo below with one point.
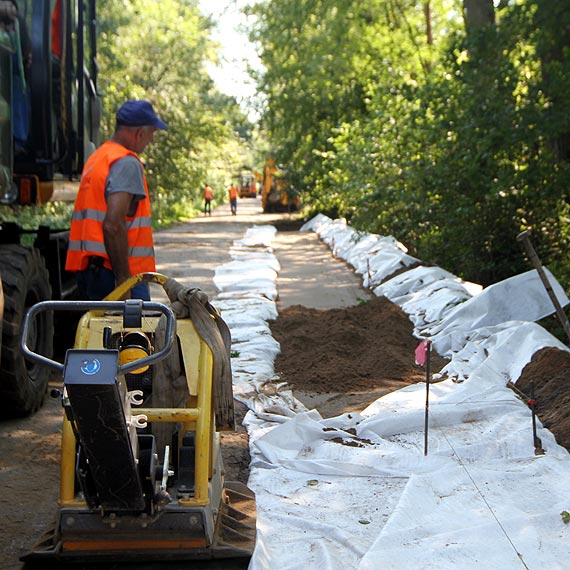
(146, 390)
(276, 193)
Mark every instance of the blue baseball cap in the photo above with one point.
(138, 113)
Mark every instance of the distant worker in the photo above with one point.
(233, 199)
(252, 189)
(111, 234)
(208, 195)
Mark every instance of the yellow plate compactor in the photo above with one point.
(141, 469)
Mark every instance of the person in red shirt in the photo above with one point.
(233, 199)
(208, 195)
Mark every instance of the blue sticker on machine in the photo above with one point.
(96, 366)
(90, 367)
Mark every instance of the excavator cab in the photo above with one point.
(50, 110)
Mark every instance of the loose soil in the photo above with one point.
(357, 354)
(546, 377)
(354, 353)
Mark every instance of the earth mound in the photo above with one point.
(357, 354)
(547, 376)
(362, 351)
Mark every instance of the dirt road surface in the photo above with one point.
(189, 252)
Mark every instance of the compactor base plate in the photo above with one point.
(234, 538)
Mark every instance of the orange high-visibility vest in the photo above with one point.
(208, 193)
(233, 192)
(86, 235)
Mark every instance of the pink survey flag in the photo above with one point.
(421, 352)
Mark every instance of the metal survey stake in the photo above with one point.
(535, 439)
(423, 356)
(524, 238)
(428, 373)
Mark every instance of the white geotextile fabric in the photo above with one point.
(356, 491)
(247, 303)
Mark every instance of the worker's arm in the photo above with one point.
(115, 234)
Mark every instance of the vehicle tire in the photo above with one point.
(25, 281)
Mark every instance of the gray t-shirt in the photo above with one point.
(126, 175)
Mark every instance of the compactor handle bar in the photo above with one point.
(98, 306)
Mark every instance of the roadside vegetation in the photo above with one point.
(443, 123)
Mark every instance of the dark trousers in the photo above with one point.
(95, 283)
(207, 206)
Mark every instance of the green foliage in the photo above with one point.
(56, 215)
(452, 142)
(314, 79)
(158, 51)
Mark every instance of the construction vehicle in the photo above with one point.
(276, 193)
(247, 186)
(49, 124)
(141, 471)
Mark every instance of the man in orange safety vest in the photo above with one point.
(233, 199)
(111, 233)
(208, 195)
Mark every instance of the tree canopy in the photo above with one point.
(443, 123)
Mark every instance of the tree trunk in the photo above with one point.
(552, 48)
(427, 12)
(478, 14)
